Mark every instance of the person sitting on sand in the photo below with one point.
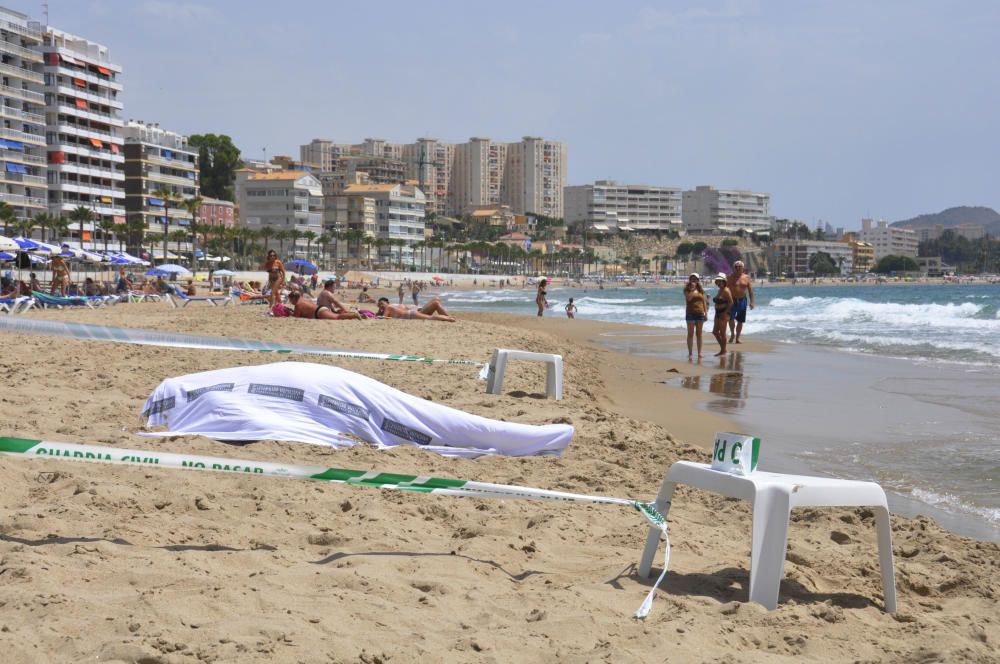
(327, 299)
(33, 283)
(306, 308)
(433, 310)
(123, 285)
(364, 297)
(162, 286)
(723, 303)
(190, 291)
(90, 288)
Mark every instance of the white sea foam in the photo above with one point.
(610, 300)
(954, 503)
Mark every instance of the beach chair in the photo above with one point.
(15, 305)
(247, 297)
(46, 300)
(186, 299)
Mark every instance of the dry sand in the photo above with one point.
(105, 563)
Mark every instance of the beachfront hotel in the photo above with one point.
(22, 135)
(161, 173)
(86, 164)
(609, 206)
(458, 178)
(282, 201)
(791, 255)
(888, 240)
(706, 209)
(399, 212)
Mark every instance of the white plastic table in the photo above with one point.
(773, 495)
(498, 366)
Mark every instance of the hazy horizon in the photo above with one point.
(840, 110)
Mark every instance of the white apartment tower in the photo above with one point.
(607, 205)
(23, 183)
(159, 162)
(710, 210)
(889, 240)
(535, 176)
(83, 130)
(281, 201)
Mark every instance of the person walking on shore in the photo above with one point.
(723, 303)
(695, 312)
(401, 292)
(415, 291)
(739, 285)
(540, 296)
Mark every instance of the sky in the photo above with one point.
(839, 109)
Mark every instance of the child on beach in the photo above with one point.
(570, 309)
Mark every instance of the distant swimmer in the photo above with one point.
(570, 309)
(742, 291)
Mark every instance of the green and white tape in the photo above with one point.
(143, 337)
(45, 449)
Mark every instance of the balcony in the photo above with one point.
(26, 95)
(88, 169)
(26, 53)
(25, 31)
(171, 179)
(22, 157)
(103, 135)
(24, 137)
(22, 73)
(11, 112)
(21, 178)
(90, 114)
(85, 93)
(27, 201)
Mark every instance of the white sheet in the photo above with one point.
(319, 404)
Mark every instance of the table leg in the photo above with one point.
(771, 509)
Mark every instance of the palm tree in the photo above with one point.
(192, 205)
(43, 221)
(281, 236)
(266, 233)
(178, 236)
(60, 227)
(136, 228)
(322, 241)
(8, 216)
(293, 235)
(81, 214)
(166, 195)
(106, 225)
(23, 227)
(309, 237)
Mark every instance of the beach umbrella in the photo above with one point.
(4, 256)
(438, 279)
(303, 266)
(171, 268)
(223, 273)
(8, 244)
(26, 244)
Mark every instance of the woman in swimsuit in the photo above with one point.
(540, 296)
(275, 276)
(433, 310)
(60, 276)
(306, 308)
(696, 312)
(723, 303)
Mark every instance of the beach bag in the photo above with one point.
(280, 311)
(366, 313)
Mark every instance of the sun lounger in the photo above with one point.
(186, 299)
(249, 297)
(15, 305)
(46, 300)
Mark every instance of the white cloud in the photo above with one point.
(178, 12)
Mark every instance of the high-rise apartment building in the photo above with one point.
(607, 205)
(23, 183)
(161, 172)
(281, 201)
(709, 210)
(529, 176)
(86, 164)
(888, 240)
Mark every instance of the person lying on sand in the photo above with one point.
(433, 310)
(306, 308)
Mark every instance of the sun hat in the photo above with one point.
(695, 275)
(720, 277)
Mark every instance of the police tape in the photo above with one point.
(144, 337)
(46, 449)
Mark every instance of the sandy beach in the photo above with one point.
(128, 564)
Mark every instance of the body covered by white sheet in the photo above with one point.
(316, 403)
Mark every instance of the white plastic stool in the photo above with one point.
(773, 496)
(498, 365)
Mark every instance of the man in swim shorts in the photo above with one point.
(433, 310)
(327, 299)
(739, 285)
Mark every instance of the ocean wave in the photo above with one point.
(610, 300)
(954, 503)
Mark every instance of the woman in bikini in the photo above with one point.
(306, 308)
(723, 303)
(540, 295)
(275, 276)
(695, 312)
(60, 276)
(433, 310)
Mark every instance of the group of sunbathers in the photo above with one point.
(328, 307)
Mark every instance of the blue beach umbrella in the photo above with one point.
(303, 266)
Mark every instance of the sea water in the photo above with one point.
(910, 397)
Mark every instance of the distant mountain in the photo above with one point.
(981, 216)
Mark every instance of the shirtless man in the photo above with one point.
(739, 285)
(327, 299)
(305, 308)
(363, 296)
(433, 310)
